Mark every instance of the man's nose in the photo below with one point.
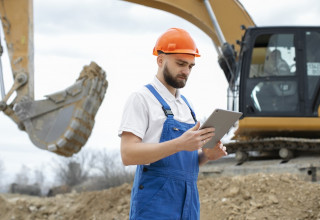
(186, 71)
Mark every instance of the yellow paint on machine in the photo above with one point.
(256, 124)
(195, 12)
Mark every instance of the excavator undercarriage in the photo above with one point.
(285, 147)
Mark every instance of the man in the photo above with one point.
(275, 65)
(159, 133)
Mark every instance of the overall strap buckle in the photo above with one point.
(167, 111)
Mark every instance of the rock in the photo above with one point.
(233, 191)
(273, 199)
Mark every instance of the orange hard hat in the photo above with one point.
(176, 40)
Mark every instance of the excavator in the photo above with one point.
(272, 73)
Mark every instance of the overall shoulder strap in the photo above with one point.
(165, 107)
(192, 112)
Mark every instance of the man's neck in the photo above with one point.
(171, 89)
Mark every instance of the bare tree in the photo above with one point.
(23, 176)
(112, 170)
(74, 170)
(105, 163)
(92, 170)
(38, 176)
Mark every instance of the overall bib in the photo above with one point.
(167, 189)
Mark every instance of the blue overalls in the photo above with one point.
(167, 189)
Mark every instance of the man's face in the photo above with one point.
(177, 69)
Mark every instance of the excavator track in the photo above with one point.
(285, 145)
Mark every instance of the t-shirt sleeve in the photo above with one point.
(135, 116)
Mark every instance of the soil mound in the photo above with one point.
(255, 196)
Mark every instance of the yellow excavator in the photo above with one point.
(273, 75)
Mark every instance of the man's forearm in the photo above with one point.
(145, 153)
(134, 151)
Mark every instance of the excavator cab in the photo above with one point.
(279, 90)
(272, 82)
(280, 77)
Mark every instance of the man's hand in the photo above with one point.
(216, 152)
(194, 139)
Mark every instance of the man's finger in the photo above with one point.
(196, 127)
(206, 131)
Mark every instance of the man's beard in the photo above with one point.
(168, 77)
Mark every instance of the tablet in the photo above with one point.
(222, 120)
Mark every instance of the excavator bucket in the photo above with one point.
(62, 123)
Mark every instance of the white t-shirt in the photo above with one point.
(143, 115)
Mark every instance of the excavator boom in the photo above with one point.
(224, 27)
(196, 12)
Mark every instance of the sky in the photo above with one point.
(119, 36)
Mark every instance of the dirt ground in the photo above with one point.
(255, 196)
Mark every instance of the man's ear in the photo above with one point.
(160, 60)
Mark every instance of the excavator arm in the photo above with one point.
(17, 24)
(221, 20)
(61, 123)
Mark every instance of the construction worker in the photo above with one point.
(160, 134)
